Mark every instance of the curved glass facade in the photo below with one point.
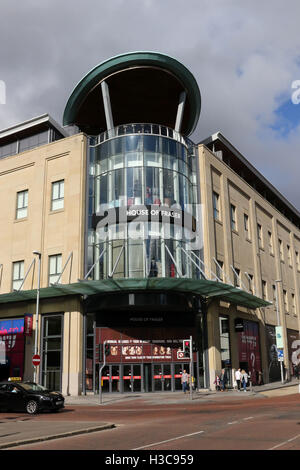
(142, 174)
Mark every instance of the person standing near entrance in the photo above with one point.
(223, 380)
(184, 381)
(244, 379)
(238, 379)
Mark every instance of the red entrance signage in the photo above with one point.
(36, 360)
(28, 325)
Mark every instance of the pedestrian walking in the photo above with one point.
(260, 378)
(223, 380)
(217, 383)
(238, 379)
(244, 379)
(184, 381)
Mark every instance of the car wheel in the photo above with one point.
(32, 407)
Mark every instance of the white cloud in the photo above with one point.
(244, 55)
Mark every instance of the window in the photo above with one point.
(237, 277)
(22, 204)
(216, 206)
(280, 249)
(246, 226)
(297, 260)
(285, 300)
(57, 197)
(264, 290)
(233, 217)
(259, 236)
(289, 255)
(225, 343)
(294, 305)
(274, 294)
(17, 275)
(55, 262)
(270, 241)
(251, 283)
(219, 269)
(52, 345)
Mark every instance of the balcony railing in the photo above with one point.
(154, 129)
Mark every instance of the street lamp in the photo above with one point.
(278, 323)
(37, 310)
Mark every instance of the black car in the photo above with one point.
(29, 397)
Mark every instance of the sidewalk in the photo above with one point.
(178, 397)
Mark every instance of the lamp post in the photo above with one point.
(278, 323)
(37, 310)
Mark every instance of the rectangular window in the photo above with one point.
(259, 236)
(225, 345)
(294, 305)
(22, 204)
(55, 266)
(219, 269)
(289, 255)
(57, 195)
(264, 290)
(270, 240)
(251, 283)
(285, 301)
(297, 260)
(216, 206)
(17, 275)
(52, 345)
(280, 249)
(274, 295)
(246, 226)
(233, 217)
(237, 278)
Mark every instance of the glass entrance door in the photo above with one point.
(157, 385)
(167, 375)
(137, 378)
(127, 379)
(115, 378)
(178, 370)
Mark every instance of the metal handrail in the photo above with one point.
(142, 128)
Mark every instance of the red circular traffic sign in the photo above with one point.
(36, 360)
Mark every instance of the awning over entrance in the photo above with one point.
(205, 288)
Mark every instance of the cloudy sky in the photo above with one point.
(245, 55)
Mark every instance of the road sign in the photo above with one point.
(36, 360)
(279, 337)
(180, 355)
(280, 354)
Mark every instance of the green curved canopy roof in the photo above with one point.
(144, 87)
(205, 288)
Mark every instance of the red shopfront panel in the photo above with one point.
(249, 349)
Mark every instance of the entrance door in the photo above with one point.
(127, 379)
(158, 378)
(147, 369)
(137, 378)
(105, 379)
(115, 378)
(167, 384)
(179, 368)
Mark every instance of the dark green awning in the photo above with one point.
(203, 287)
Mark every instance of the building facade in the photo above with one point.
(123, 238)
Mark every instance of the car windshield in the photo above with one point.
(32, 387)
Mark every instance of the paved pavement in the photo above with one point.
(17, 429)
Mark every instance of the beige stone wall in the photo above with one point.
(245, 252)
(47, 231)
